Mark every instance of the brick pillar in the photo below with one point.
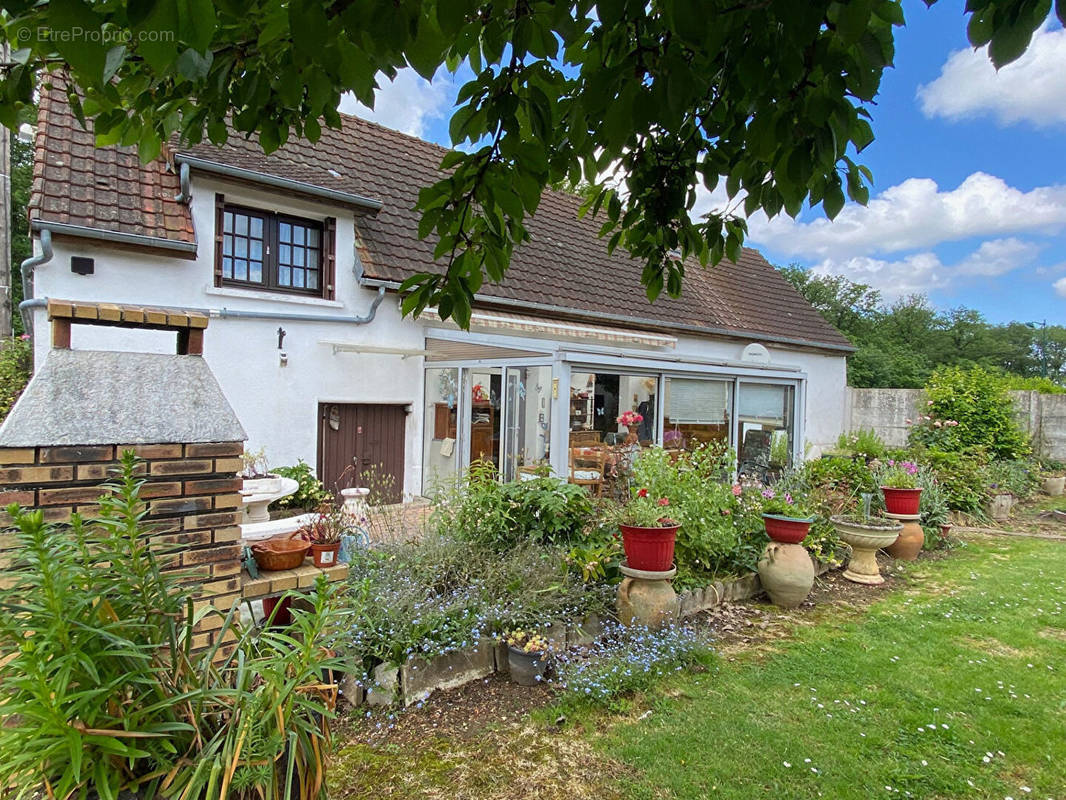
(82, 410)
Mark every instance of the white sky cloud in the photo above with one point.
(915, 215)
(1060, 287)
(1031, 89)
(408, 103)
(924, 271)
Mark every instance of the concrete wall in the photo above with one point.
(1042, 416)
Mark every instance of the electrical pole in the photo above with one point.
(5, 221)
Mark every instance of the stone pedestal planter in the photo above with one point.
(911, 538)
(999, 507)
(866, 538)
(1054, 486)
(787, 573)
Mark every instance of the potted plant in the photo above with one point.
(648, 532)
(787, 521)
(527, 656)
(631, 419)
(899, 484)
(324, 532)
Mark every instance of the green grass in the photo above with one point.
(954, 687)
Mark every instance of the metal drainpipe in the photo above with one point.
(185, 195)
(228, 313)
(28, 266)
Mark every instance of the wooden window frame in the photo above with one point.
(327, 250)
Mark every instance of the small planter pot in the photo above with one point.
(325, 555)
(902, 501)
(527, 669)
(787, 530)
(649, 549)
(1054, 486)
(945, 529)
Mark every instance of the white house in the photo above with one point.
(297, 256)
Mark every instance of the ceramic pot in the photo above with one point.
(787, 573)
(649, 603)
(325, 555)
(787, 530)
(866, 538)
(910, 542)
(1054, 486)
(945, 529)
(649, 549)
(527, 669)
(902, 501)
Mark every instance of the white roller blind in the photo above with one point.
(694, 402)
(762, 402)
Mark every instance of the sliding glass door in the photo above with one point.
(527, 435)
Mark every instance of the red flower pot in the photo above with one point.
(787, 530)
(902, 501)
(325, 555)
(649, 549)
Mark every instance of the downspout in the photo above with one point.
(185, 195)
(28, 266)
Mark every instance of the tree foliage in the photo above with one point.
(21, 160)
(902, 344)
(644, 101)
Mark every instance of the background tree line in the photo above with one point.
(900, 344)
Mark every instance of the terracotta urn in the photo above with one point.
(911, 539)
(787, 573)
(866, 537)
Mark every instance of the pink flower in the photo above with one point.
(937, 424)
(25, 337)
(642, 493)
(737, 490)
(928, 402)
(726, 512)
(909, 422)
(663, 501)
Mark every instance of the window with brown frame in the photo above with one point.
(266, 250)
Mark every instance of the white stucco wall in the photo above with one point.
(277, 404)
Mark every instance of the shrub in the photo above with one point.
(16, 365)
(963, 478)
(627, 659)
(102, 694)
(712, 540)
(485, 512)
(310, 493)
(1019, 478)
(968, 409)
(864, 443)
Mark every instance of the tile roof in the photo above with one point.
(77, 183)
(564, 270)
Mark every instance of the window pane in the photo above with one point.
(227, 225)
(285, 232)
(312, 237)
(255, 272)
(285, 254)
(240, 270)
(241, 247)
(227, 267)
(697, 412)
(284, 276)
(765, 426)
(256, 251)
(227, 245)
(241, 224)
(312, 279)
(257, 227)
(298, 256)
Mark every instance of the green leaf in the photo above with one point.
(833, 201)
(197, 22)
(852, 19)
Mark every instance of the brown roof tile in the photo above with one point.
(564, 269)
(76, 183)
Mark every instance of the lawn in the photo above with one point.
(952, 686)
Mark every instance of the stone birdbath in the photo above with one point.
(258, 493)
(866, 535)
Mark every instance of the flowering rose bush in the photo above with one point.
(628, 418)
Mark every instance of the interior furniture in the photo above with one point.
(587, 467)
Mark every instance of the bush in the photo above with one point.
(102, 694)
(16, 365)
(481, 510)
(627, 659)
(713, 540)
(1019, 478)
(864, 443)
(310, 493)
(963, 478)
(444, 593)
(967, 409)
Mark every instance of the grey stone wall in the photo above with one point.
(1042, 416)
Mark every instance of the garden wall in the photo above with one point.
(1042, 416)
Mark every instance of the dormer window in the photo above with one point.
(260, 249)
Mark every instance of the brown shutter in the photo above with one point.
(220, 222)
(329, 258)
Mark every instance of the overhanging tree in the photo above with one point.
(644, 101)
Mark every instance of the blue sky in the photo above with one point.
(969, 198)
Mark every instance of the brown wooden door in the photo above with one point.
(362, 445)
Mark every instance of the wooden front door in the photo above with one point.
(362, 445)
